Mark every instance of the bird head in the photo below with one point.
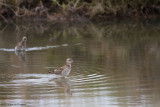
(24, 38)
(69, 60)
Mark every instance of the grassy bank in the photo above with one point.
(76, 10)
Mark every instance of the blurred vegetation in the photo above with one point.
(76, 10)
(128, 31)
(101, 43)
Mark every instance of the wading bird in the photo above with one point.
(21, 45)
(65, 70)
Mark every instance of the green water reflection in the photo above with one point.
(115, 64)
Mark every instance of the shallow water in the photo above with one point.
(115, 64)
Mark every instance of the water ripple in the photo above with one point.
(30, 79)
(7, 50)
(38, 48)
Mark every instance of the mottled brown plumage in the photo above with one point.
(21, 45)
(64, 70)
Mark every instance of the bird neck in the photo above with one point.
(23, 43)
(69, 65)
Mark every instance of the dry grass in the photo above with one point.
(89, 8)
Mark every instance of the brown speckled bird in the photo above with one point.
(21, 45)
(65, 70)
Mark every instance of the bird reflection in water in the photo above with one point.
(65, 83)
(21, 54)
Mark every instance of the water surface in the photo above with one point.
(115, 64)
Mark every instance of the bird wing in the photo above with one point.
(19, 45)
(59, 70)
